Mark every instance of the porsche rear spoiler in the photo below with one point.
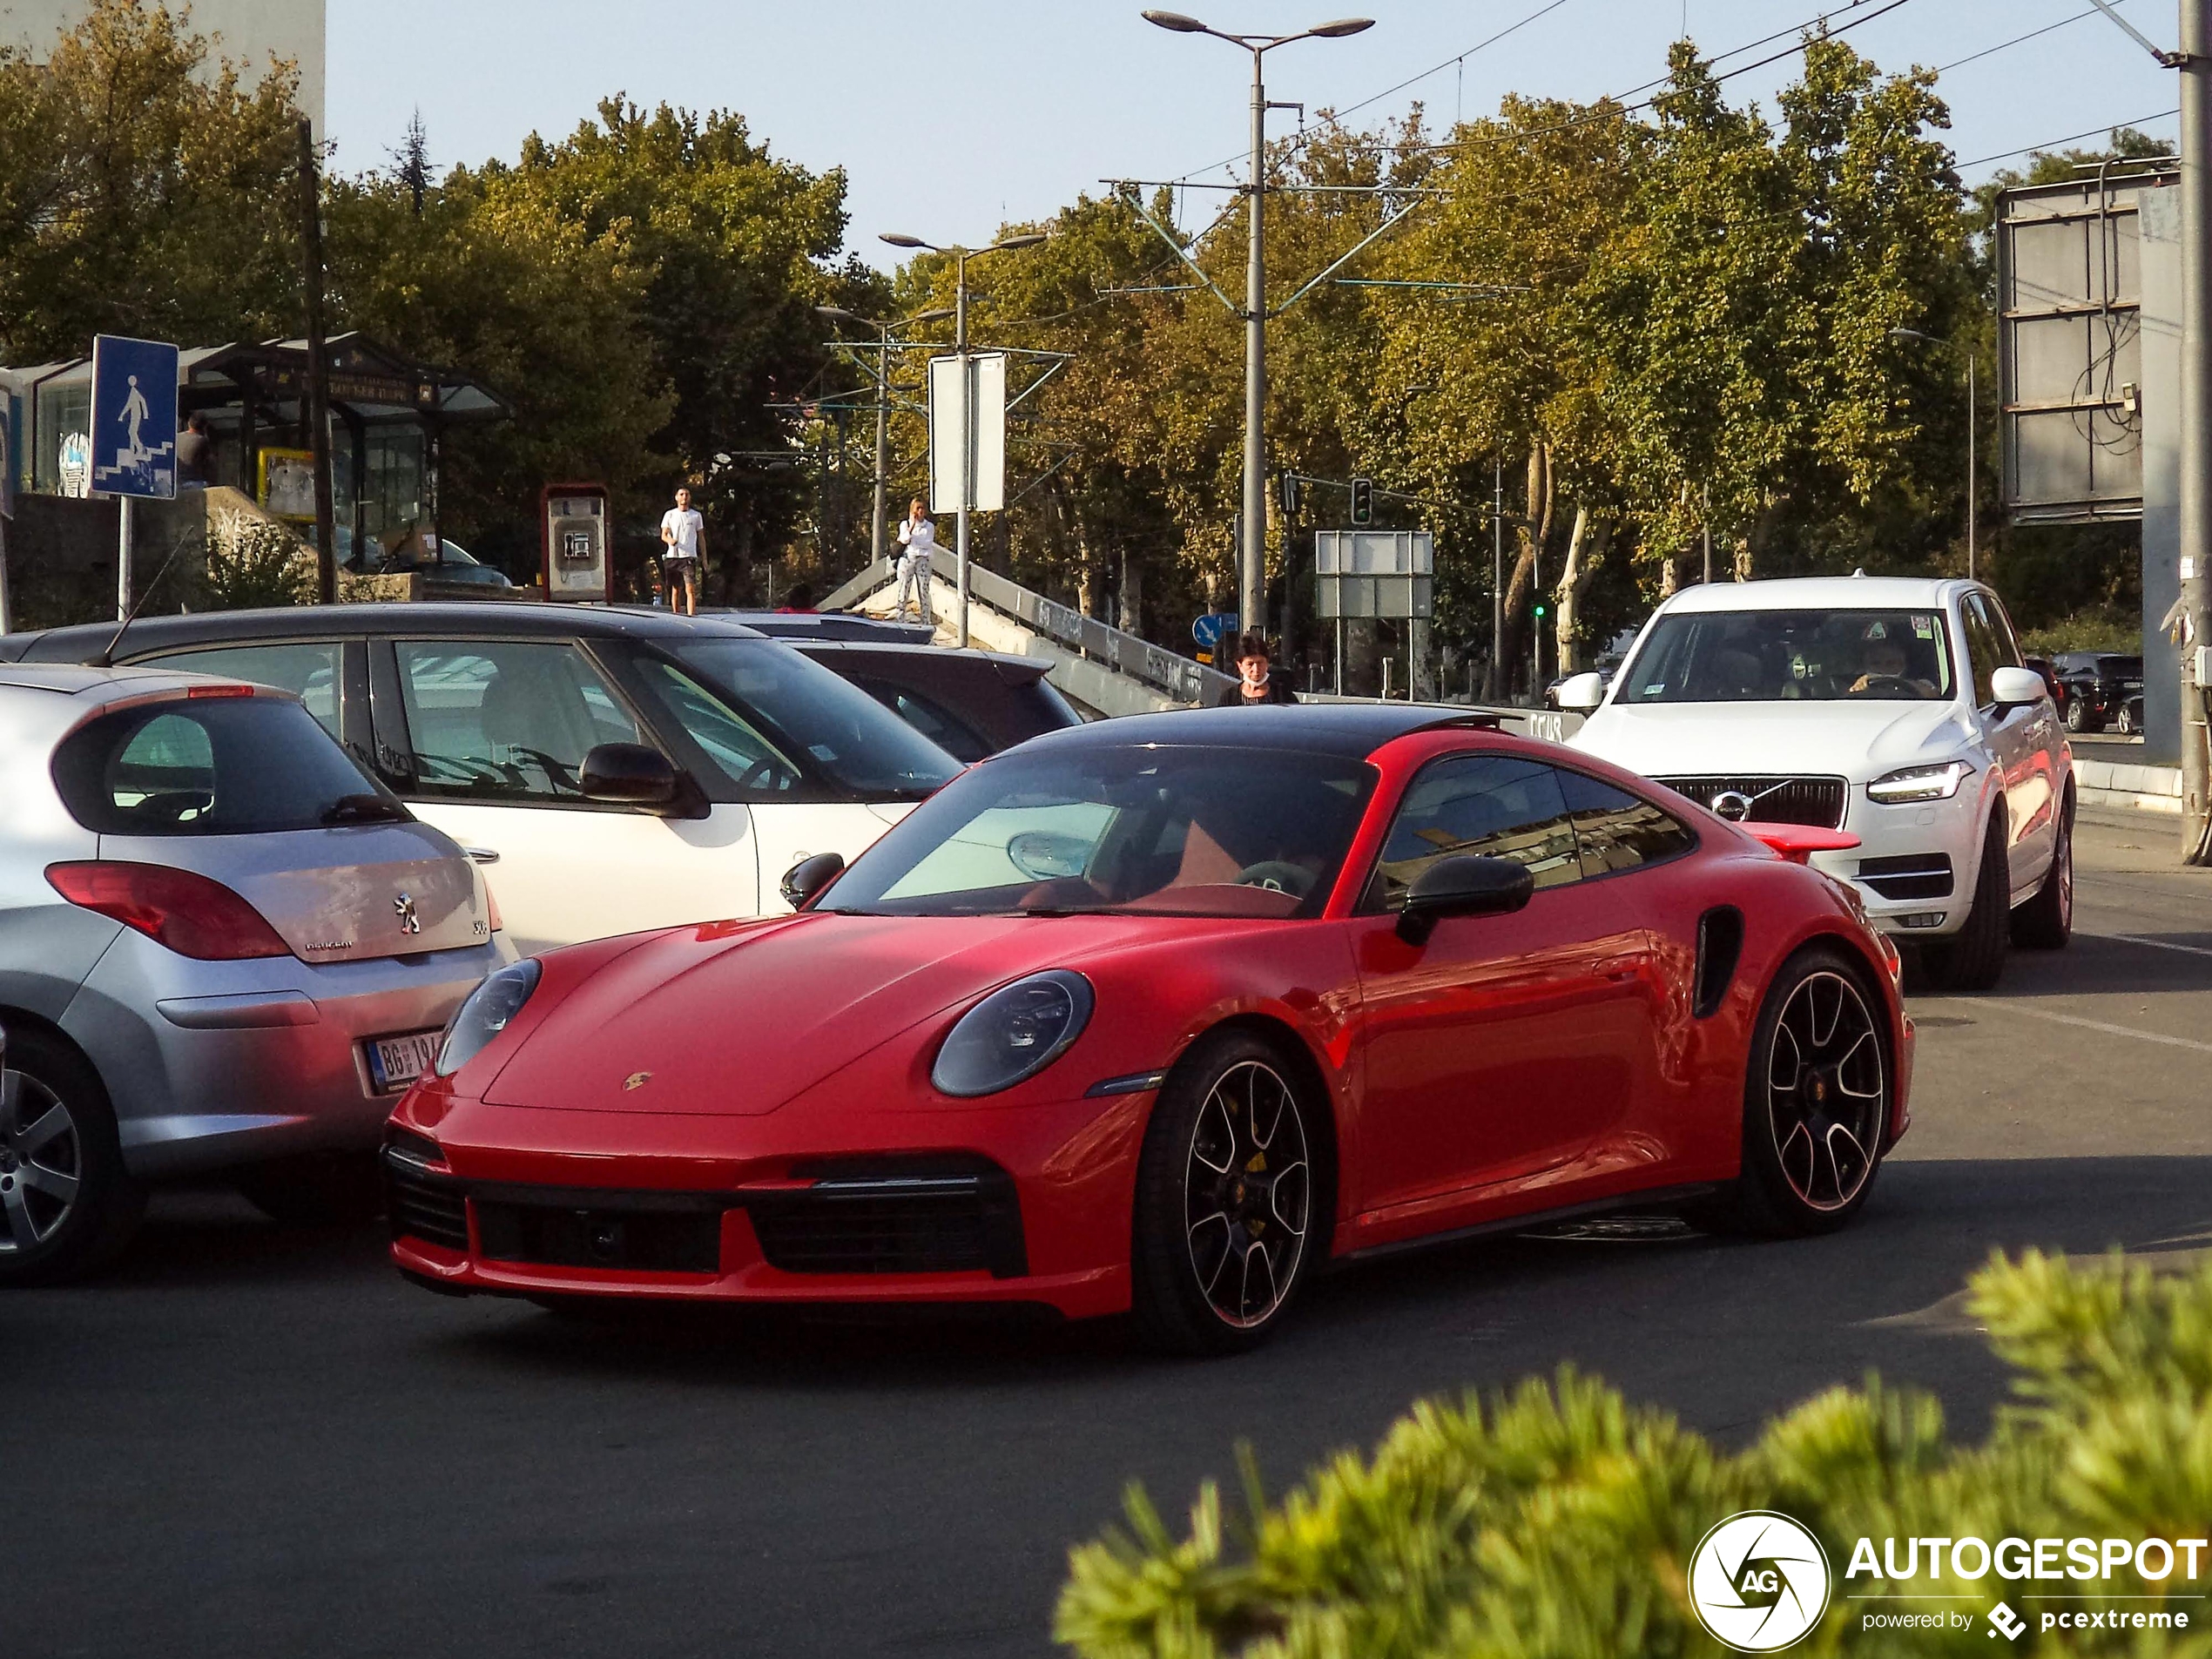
(1798, 842)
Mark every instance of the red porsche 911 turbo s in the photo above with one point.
(1159, 1014)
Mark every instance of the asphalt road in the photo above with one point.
(247, 1442)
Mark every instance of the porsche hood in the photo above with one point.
(722, 1020)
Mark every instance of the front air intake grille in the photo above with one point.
(645, 1233)
(919, 1216)
(1817, 801)
(424, 1207)
(1911, 875)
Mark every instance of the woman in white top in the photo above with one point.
(918, 535)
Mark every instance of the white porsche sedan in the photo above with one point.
(1897, 708)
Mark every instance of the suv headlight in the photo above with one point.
(1013, 1034)
(486, 1014)
(1920, 783)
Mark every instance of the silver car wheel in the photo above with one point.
(1248, 1193)
(1826, 1091)
(42, 1162)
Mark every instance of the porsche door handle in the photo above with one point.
(480, 855)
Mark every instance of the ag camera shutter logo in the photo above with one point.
(1759, 1582)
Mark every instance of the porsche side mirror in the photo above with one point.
(808, 876)
(1580, 693)
(628, 774)
(1462, 887)
(2017, 688)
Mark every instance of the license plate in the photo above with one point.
(394, 1063)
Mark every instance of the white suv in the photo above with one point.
(1897, 710)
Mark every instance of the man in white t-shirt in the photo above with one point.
(683, 535)
(918, 535)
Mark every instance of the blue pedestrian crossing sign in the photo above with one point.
(134, 417)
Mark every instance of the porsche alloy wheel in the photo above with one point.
(1818, 1093)
(1826, 1091)
(1225, 1206)
(1247, 1194)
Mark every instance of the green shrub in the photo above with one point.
(253, 563)
(1560, 1520)
(2100, 629)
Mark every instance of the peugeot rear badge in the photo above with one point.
(409, 922)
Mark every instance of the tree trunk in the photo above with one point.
(1586, 546)
(1131, 619)
(1529, 537)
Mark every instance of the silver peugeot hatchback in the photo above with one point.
(223, 947)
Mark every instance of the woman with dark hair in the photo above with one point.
(1255, 685)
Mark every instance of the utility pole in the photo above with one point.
(1497, 687)
(1972, 459)
(316, 404)
(1253, 555)
(2196, 66)
(877, 530)
(1705, 519)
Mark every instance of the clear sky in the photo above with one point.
(952, 116)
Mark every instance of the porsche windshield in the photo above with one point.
(1090, 828)
(1790, 655)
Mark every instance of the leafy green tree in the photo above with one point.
(140, 195)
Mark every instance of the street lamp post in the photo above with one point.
(878, 526)
(1252, 556)
(1974, 412)
(960, 257)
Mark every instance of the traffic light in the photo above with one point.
(1540, 610)
(1363, 501)
(1290, 494)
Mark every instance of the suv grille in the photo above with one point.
(1817, 801)
(906, 1215)
(1911, 875)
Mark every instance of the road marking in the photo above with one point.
(2109, 1029)
(2155, 944)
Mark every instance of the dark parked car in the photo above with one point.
(970, 704)
(2098, 686)
(823, 625)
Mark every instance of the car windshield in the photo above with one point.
(806, 710)
(1790, 655)
(1145, 828)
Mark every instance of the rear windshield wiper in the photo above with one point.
(365, 809)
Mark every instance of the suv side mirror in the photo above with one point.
(805, 880)
(1582, 692)
(1467, 886)
(2016, 688)
(629, 774)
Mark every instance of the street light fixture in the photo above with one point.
(1974, 412)
(960, 257)
(1252, 556)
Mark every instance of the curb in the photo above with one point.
(2142, 789)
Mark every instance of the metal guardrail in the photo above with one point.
(1164, 670)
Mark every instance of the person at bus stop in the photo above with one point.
(1255, 684)
(918, 535)
(195, 451)
(683, 535)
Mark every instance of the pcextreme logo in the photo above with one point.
(1759, 1582)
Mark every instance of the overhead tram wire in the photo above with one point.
(1975, 57)
(2048, 144)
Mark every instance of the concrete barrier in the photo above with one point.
(2143, 789)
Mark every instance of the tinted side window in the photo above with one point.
(1615, 830)
(216, 766)
(2008, 645)
(955, 737)
(740, 753)
(1489, 806)
(309, 671)
(497, 721)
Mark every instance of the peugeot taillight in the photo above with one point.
(190, 913)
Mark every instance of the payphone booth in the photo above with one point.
(572, 520)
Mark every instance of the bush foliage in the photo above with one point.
(1560, 1520)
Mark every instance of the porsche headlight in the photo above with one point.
(1013, 1034)
(1920, 783)
(485, 1014)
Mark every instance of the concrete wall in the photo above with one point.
(250, 32)
(2161, 400)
